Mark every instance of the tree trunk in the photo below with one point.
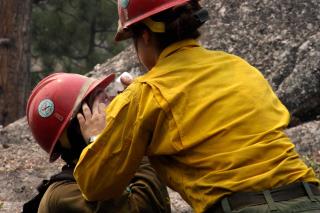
(15, 16)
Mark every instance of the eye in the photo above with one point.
(101, 96)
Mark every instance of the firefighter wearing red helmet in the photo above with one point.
(209, 121)
(54, 102)
(51, 111)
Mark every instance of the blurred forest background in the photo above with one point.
(38, 37)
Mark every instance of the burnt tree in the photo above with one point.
(14, 58)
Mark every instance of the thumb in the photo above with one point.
(126, 79)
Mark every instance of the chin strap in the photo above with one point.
(155, 26)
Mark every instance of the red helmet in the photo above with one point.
(133, 11)
(54, 102)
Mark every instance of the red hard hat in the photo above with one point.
(53, 103)
(133, 11)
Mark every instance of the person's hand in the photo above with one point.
(126, 79)
(92, 122)
(120, 84)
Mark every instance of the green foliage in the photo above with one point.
(73, 34)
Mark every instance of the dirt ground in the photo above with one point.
(24, 165)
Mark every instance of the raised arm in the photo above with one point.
(107, 165)
(146, 192)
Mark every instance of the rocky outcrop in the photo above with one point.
(306, 137)
(300, 91)
(280, 38)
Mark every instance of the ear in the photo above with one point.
(146, 37)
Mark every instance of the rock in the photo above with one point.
(178, 205)
(281, 39)
(306, 137)
(126, 61)
(300, 91)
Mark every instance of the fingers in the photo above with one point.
(92, 123)
(101, 108)
(81, 120)
(95, 106)
(86, 111)
(126, 80)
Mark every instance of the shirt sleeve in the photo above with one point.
(106, 166)
(147, 193)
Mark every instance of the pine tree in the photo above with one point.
(14, 58)
(74, 35)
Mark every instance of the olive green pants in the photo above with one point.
(307, 203)
(295, 197)
(302, 204)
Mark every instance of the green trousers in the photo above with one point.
(302, 204)
(145, 194)
(306, 202)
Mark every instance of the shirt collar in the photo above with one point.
(176, 46)
(168, 51)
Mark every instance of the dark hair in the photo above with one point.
(180, 23)
(76, 141)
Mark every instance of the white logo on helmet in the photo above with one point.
(46, 108)
(124, 3)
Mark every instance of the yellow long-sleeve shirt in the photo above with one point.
(209, 122)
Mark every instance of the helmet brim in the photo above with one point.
(100, 83)
(126, 20)
(122, 35)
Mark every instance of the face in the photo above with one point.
(145, 50)
(141, 52)
(100, 95)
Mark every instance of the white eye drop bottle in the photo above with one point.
(118, 85)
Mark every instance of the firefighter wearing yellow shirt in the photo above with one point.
(51, 111)
(209, 122)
